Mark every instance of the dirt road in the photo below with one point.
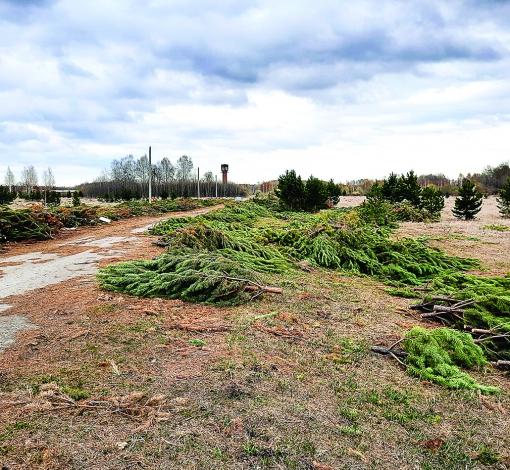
(74, 256)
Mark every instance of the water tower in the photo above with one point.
(224, 171)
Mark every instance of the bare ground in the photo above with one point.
(114, 382)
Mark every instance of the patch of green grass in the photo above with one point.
(250, 448)
(498, 228)
(197, 342)
(452, 236)
(487, 456)
(12, 429)
(349, 414)
(374, 397)
(76, 393)
(395, 395)
(351, 430)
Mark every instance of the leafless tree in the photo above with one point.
(208, 177)
(184, 167)
(9, 179)
(29, 178)
(48, 179)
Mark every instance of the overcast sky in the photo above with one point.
(337, 89)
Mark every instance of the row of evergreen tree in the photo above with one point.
(310, 195)
(397, 189)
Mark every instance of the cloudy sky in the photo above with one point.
(338, 89)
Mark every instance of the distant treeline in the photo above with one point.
(490, 181)
(128, 178)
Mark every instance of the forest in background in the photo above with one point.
(127, 178)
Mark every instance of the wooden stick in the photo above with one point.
(272, 290)
(479, 331)
(481, 340)
(431, 314)
(450, 300)
(383, 350)
(395, 343)
(501, 364)
(398, 360)
(162, 244)
(442, 308)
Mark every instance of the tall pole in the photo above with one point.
(198, 182)
(150, 176)
(216, 176)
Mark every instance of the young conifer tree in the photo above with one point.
(469, 201)
(291, 190)
(504, 200)
(76, 199)
(432, 200)
(410, 190)
(391, 189)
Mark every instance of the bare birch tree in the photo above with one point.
(29, 178)
(9, 179)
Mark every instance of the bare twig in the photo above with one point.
(397, 359)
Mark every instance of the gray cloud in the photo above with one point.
(96, 73)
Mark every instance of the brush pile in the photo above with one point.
(204, 278)
(268, 241)
(435, 355)
(22, 225)
(38, 223)
(254, 238)
(217, 258)
(478, 305)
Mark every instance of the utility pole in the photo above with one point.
(150, 176)
(198, 182)
(216, 176)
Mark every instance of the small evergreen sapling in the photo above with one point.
(432, 200)
(410, 190)
(6, 196)
(291, 190)
(469, 201)
(76, 199)
(504, 200)
(391, 189)
(334, 193)
(316, 194)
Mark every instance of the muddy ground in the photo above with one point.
(107, 381)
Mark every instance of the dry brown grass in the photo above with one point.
(113, 382)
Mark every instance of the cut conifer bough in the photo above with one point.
(196, 277)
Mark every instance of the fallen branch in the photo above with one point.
(505, 365)
(388, 351)
(443, 309)
(393, 355)
(450, 300)
(161, 244)
(481, 340)
(478, 331)
(272, 290)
